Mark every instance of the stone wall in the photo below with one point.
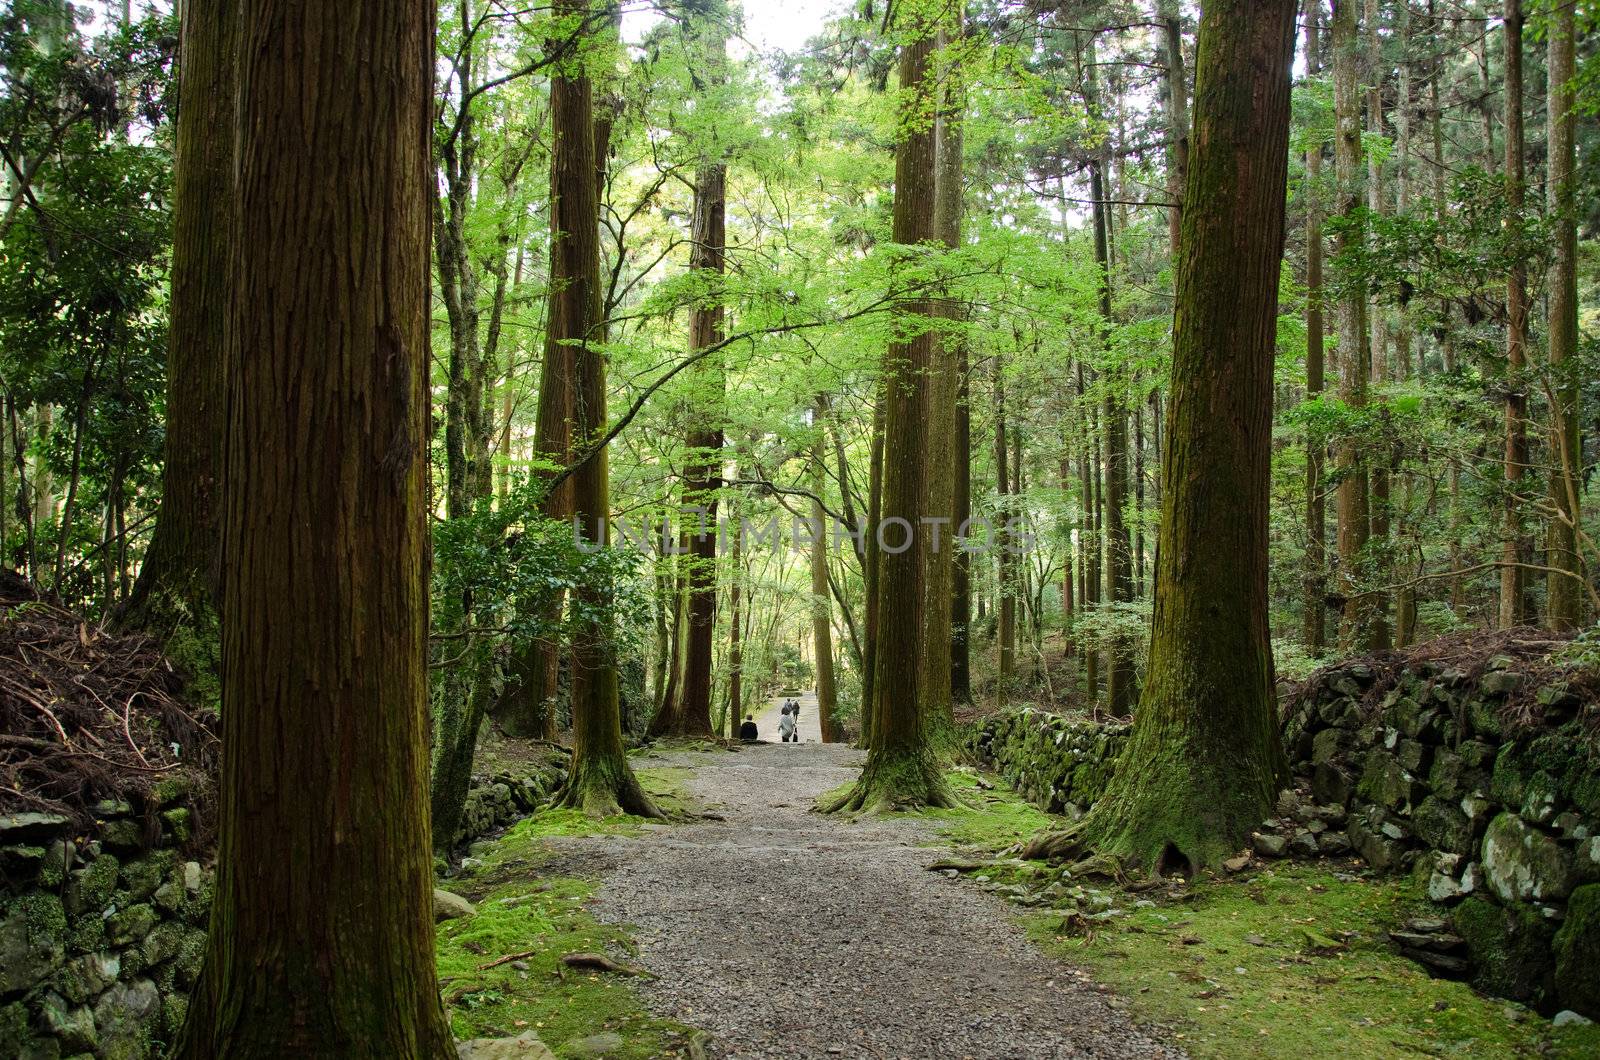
(1485, 784)
(1056, 763)
(102, 935)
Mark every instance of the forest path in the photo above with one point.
(791, 934)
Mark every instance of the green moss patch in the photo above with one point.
(535, 919)
(1293, 961)
(992, 816)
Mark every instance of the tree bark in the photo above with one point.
(1360, 626)
(178, 576)
(1204, 761)
(321, 941)
(821, 612)
(1514, 547)
(1564, 609)
(1316, 584)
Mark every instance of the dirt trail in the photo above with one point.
(789, 934)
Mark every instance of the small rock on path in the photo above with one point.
(791, 934)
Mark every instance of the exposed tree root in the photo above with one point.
(891, 784)
(606, 789)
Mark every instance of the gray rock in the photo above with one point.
(1304, 843)
(31, 828)
(526, 1046)
(1523, 864)
(191, 877)
(85, 977)
(1568, 1018)
(72, 1025)
(1500, 683)
(448, 906)
(594, 1045)
(131, 924)
(1269, 846)
(124, 1015)
(1442, 825)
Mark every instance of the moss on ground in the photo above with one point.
(992, 816)
(540, 918)
(1293, 960)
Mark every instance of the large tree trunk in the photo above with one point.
(1204, 760)
(321, 940)
(1316, 583)
(688, 711)
(902, 769)
(600, 782)
(177, 579)
(1564, 610)
(1360, 625)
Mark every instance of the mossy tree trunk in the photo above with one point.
(1204, 760)
(902, 769)
(176, 587)
(321, 940)
(600, 782)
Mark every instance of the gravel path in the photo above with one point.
(790, 934)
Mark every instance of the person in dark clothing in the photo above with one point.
(748, 730)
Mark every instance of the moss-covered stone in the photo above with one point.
(1385, 782)
(141, 877)
(90, 889)
(1522, 864)
(1577, 953)
(1443, 826)
(1510, 947)
(131, 924)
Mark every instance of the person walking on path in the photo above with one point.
(786, 725)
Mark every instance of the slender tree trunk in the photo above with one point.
(177, 578)
(937, 531)
(1316, 584)
(321, 941)
(872, 564)
(1514, 550)
(902, 769)
(821, 612)
(1177, 106)
(961, 574)
(1360, 626)
(1204, 761)
(735, 635)
(1564, 610)
(1006, 603)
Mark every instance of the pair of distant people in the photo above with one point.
(788, 724)
(789, 721)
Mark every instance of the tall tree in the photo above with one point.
(1359, 627)
(901, 768)
(599, 781)
(1315, 626)
(326, 949)
(1204, 761)
(1564, 607)
(688, 712)
(176, 584)
(1514, 553)
(821, 609)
